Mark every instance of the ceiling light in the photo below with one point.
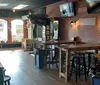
(20, 6)
(4, 4)
(13, 10)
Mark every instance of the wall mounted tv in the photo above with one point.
(93, 6)
(67, 9)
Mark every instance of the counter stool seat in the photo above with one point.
(7, 80)
(78, 66)
(49, 56)
(88, 56)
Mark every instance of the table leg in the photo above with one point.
(59, 62)
(45, 59)
(66, 73)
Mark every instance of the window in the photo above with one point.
(3, 31)
(17, 30)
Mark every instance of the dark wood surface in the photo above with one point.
(20, 66)
(59, 42)
(82, 47)
(10, 43)
(97, 55)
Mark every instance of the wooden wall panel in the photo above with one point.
(9, 29)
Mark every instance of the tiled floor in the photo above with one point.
(20, 66)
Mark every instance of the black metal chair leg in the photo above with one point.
(8, 82)
(84, 63)
(76, 71)
(5, 83)
(71, 70)
(79, 67)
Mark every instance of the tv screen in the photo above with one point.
(67, 9)
(93, 7)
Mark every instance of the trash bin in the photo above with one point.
(39, 58)
(95, 81)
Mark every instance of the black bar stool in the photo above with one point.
(78, 65)
(49, 56)
(56, 56)
(7, 80)
(88, 56)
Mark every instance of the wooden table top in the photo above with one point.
(97, 55)
(59, 42)
(82, 47)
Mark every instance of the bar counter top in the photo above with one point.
(58, 42)
(82, 47)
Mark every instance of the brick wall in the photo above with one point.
(89, 34)
(9, 29)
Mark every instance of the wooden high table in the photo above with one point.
(56, 44)
(1, 74)
(68, 49)
(97, 55)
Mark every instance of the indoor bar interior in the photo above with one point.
(49, 42)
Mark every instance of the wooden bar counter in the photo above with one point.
(58, 42)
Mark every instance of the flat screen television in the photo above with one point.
(67, 9)
(93, 6)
